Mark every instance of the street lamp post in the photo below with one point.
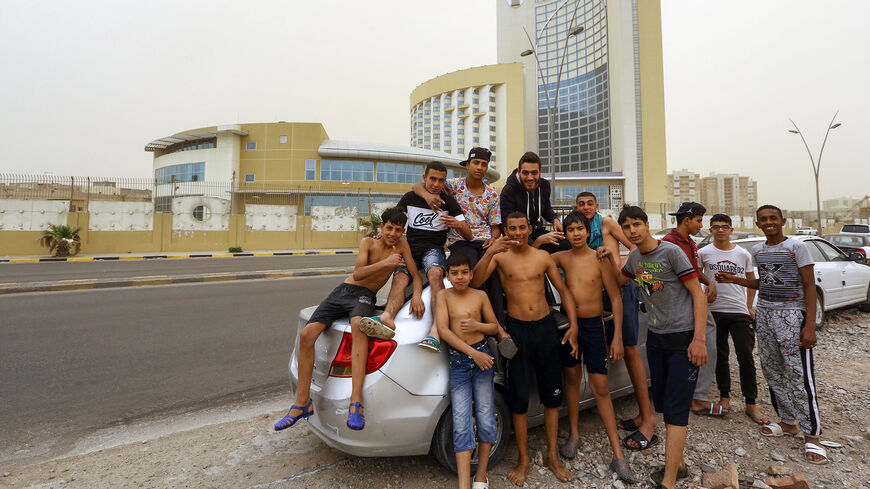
(816, 163)
(552, 107)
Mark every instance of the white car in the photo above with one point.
(840, 281)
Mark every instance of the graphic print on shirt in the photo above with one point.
(728, 267)
(425, 219)
(779, 275)
(645, 276)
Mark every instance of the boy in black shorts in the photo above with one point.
(586, 276)
(675, 344)
(355, 298)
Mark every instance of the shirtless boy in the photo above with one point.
(530, 323)
(586, 276)
(458, 315)
(355, 297)
(605, 232)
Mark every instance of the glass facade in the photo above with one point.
(311, 169)
(568, 194)
(399, 172)
(188, 172)
(582, 117)
(347, 171)
(360, 201)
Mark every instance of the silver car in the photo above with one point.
(405, 393)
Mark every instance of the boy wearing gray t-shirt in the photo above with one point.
(786, 330)
(675, 345)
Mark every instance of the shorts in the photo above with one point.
(593, 341)
(630, 308)
(434, 257)
(346, 300)
(472, 397)
(537, 359)
(673, 378)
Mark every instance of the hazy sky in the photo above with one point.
(87, 84)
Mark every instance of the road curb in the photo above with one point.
(88, 284)
(186, 255)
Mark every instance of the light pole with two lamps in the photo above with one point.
(552, 106)
(816, 163)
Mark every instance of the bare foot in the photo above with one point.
(647, 430)
(387, 319)
(725, 402)
(518, 475)
(813, 457)
(559, 470)
(755, 414)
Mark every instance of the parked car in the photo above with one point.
(407, 405)
(851, 242)
(856, 228)
(734, 237)
(696, 238)
(840, 281)
(806, 232)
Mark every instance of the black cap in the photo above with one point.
(477, 154)
(691, 208)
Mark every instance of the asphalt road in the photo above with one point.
(53, 271)
(74, 362)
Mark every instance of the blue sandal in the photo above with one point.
(355, 420)
(429, 343)
(289, 420)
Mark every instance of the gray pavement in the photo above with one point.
(74, 362)
(55, 271)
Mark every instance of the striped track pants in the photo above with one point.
(788, 369)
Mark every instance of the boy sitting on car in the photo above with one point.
(458, 315)
(355, 297)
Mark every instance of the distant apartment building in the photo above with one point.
(683, 186)
(839, 204)
(729, 193)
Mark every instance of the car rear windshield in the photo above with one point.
(848, 240)
(856, 228)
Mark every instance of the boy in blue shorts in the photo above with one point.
(459, 312)
(585, 276)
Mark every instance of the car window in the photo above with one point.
(847, 240)
(856, 228)
(816, 253)
(833, 254)
(747, 245)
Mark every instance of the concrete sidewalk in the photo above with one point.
(158, 255)
(86, 284)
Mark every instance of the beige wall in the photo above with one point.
(652, 100)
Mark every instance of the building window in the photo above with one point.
(201, 213)
(251, 145)
(249, 178)
(346, 171)
(311, 169)
(399, 173)
(187, 172)
(361, 201)
(282, 139)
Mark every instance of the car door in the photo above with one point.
(851, 276)
(828, 275)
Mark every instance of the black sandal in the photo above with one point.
(627, 424)
(640, 439)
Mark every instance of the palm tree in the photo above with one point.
(369, 225)
(61, 240)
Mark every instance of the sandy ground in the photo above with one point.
(235, 447)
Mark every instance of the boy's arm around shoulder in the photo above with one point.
(612, 229)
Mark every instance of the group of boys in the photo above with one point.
(488, 232)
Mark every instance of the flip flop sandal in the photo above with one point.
(627, 424)
(623, 471)
(817, 450)
(480, 485)
(429, 343)
(507, 348)
(659, 474)
(289, 420)
(642, 442)
(355, 420)
(775, 431)
(569, 449)
(713, 410)
(374, 327)
(762, 420)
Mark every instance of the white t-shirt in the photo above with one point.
(736, 261)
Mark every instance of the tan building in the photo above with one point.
(729, 193)
(683, 186)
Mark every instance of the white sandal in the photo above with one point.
(479, 485)
(817, 450)
(775, 431)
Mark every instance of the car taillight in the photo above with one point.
(379, 353)
(862, 252)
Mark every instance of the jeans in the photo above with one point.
(471, 386)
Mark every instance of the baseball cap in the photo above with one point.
(477, 153)
(692, 208)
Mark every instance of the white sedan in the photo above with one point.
(840, 281)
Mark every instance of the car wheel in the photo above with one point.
(865, 306)
(820, 310)
(442, 441)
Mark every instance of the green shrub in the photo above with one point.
(235, 249)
